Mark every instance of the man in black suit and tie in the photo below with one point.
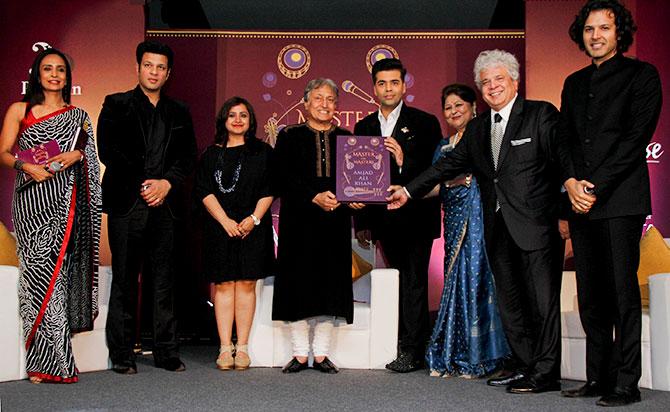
(609, 111)
(147, 143)
(511, 151)
(406, 236)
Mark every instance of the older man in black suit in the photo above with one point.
(406, 236)
(511, 150)
(147, 143)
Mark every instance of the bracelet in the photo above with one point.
(256, 220)
(81, 153)
(18, 164)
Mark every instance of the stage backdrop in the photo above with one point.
(271, 70)
(551, 56)
(99, 38)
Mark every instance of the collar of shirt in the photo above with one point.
(388, 124)
(609, 64)
(504, 112)
(143, 100)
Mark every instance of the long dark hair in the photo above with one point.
(34, 92)
(221, 136)
(623, 20)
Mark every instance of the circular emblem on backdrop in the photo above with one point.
(294, 61)
(351, 141)
(375, 141)
(378, 52)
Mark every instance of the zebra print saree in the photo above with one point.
(57, 225)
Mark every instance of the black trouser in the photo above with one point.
(607, 255)
(141, 240)
(411, 257)
(528, 285)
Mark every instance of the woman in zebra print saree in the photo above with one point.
(56, 218)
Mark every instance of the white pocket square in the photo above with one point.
(520, 141)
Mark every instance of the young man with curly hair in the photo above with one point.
(609, 111)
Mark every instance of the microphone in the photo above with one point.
(349, 87)
(52, 167)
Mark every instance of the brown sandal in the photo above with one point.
(225, 361)
(242, 360)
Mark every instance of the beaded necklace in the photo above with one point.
(218, 174)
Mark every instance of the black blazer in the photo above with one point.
(608, 117)
(121, 149)
(526, 183)
(418, 134)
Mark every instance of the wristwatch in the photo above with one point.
(256, 220)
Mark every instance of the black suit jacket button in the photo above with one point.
(589, 117)
(495, 180)
(588, 164)
(587, 141)
(591, 95)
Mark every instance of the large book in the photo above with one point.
(362, 169)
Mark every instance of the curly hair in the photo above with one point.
(489, 59)
(623, 20)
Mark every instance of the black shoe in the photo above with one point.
(325, 366)
(620, 397)
(125, 368)
(533, 385)
(506, 379)
(294, 366)
(171, 364)
(405, 363)
(588, 390)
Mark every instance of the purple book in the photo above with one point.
(362, 170)
(40, 153)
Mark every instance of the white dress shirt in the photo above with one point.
(388, 123)
(504, 113)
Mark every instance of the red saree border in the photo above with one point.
(30, 119)
(45, 377)
(59, 263)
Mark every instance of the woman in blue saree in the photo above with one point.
(468, 339)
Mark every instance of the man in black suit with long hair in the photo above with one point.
(147, 143)
(512, 152)
(609, 111)
(406, 236)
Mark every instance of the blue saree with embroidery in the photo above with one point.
(468, 338)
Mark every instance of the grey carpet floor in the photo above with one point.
(203, 388)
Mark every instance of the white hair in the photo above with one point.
(489, 59)
(318, 83)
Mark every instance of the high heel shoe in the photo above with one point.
(242, 360)
(225, 361)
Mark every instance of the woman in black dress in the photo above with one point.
(232, 183)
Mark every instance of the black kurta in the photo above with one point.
(314, 276)
(225, 258)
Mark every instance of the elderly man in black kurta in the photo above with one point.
(147, 143)
(609, 111)
(314, 280)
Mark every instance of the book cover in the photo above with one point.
(362, 169)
